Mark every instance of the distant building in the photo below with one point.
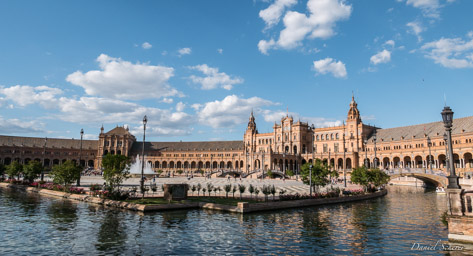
(290, 145)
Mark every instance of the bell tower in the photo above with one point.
(354, 127)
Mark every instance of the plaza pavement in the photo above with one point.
(291, 186)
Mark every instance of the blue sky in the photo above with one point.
(198, 68)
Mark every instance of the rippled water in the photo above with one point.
(32, 224)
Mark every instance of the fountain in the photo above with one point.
(135, 168)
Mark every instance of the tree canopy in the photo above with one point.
(32, 170)
(115, 170)
(320, 174)
(66, 173)
(365, 177)
(14, 169)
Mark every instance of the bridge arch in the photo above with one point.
(436, 180)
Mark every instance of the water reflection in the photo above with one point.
(387, 225)
(112, 234)
(63, 214)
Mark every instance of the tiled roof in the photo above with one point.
(51, 142)
(119, 130)
(188, 146)
(460, 125)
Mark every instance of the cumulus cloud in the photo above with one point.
(450, 52)
(15, 126)
(146, 45)
(383, 56)
(184, 51)
(220, 50)
(323, 15)
(390, 43)
(230, 111)
(213, 78)
(124, 80)
(167, 100)
(329, 65)
(273, 13)
(275, 116)
(24, 95)
(180, 106)
(415, 28)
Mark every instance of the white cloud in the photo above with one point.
(275, 116)
(146, 45)
(329, 65)
(390, 43)
(184, 51)
(230, 111)
(383, 56)
(196, 106)
(167, 100)
(124, 80)
(102, 110)
(323, 15)
(24, 95)
(429, 8)
(450, 52)
(272, 14)
(220, 50)
(213, 78)
(415, 28)
(15, 126)
(180, 106)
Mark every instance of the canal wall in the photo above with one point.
(242, 207)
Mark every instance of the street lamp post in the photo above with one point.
(429, 144)
(80, 155)
(447, 116)
(447, 167)
(310, 180)
(142, 182)
(44, 156)
(375, 158)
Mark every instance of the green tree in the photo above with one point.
(378, 177)
(251, 189)
(361, 176)
(289, 173)
(273, 191)
(227, 188)
(242, 189)
(210, 187)
(66, 173)
(320, 174)
(199, 187)
(32, 170)
(234, 189)
(14, 169)
(115, 170)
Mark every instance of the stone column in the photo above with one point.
(454, 202)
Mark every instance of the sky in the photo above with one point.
(198, 68)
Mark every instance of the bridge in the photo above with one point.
(427, 176)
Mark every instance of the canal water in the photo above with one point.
(39, 225)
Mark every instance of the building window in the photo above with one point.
(325, 148)
(336, 136)
(335, 147)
